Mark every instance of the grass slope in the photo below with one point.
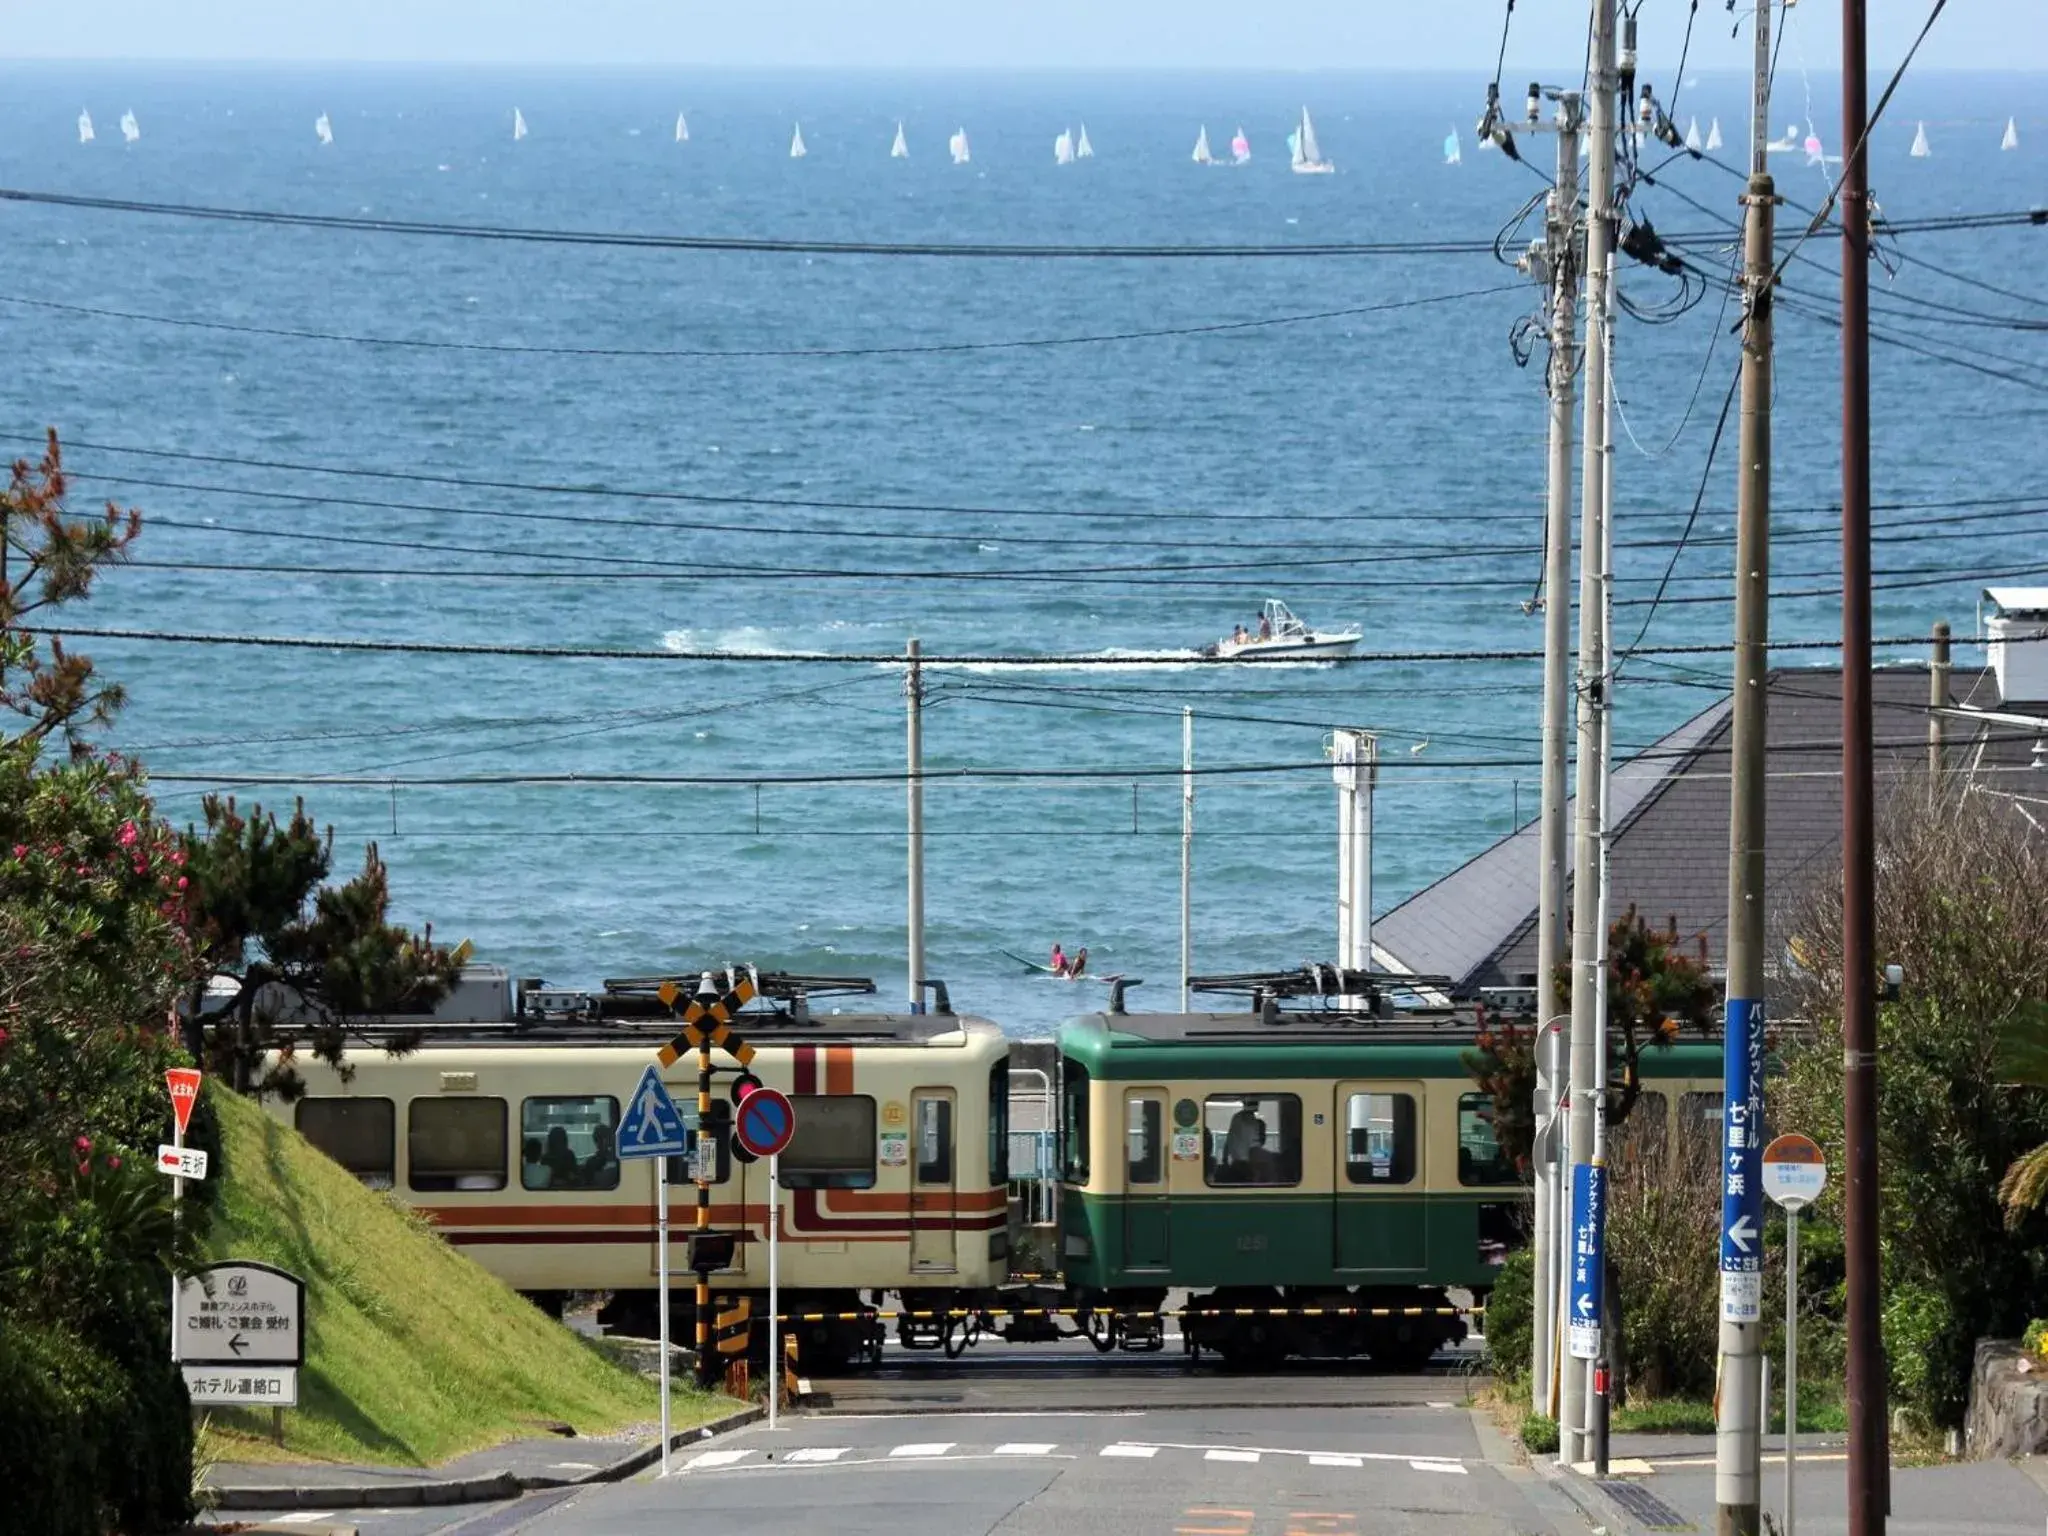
(414, 1354)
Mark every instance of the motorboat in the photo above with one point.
(1280, 634)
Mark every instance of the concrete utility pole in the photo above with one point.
(1869, 1472)
(1937, 700)
(1587, 1072)
(913, 690)
(1187, 852)
(1356, 773)
(1561, 240)
(1738, 1443)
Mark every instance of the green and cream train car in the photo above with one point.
(1297, 1171)
(504, 1136)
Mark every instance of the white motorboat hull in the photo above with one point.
(1291, 648)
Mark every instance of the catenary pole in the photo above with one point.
(1551, 922)
(1738, 1439)
(913, 689)
(1586, 1071)
(1868, 1472)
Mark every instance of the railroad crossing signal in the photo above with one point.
(719, 1011)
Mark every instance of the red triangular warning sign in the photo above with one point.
(184, 1085)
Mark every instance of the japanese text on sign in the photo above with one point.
(1742, 1140)
(1589, 1226)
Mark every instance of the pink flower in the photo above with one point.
(128, 834)
(83, 1144)
(85, 1168)
(4, 1038)
(21, 850)
(182, 882)
(113, 1162)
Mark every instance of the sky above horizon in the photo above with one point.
(923, 34)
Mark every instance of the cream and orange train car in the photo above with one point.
(503, 1134)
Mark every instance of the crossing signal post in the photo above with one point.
(653, 1128)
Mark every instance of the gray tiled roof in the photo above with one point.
(1670, 810)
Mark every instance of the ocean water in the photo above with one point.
(1132, 498)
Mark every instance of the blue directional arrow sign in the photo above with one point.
(1588, 1260)
(1742, 1141)
(653, 1126)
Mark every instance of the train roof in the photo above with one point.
(763, 1030)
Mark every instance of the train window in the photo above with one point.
(1696, 1109)
(999, 1123)
(1647, 1125)
(359, 1134)
(1145, 1120)
(934, 1141)
(456, 1143)
(1480, 1159)
(1252, 1138)
(1379, 1138)
(1074, 1120)
(834, 1144)
(569, 1143)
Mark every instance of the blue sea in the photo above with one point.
(1130, 499)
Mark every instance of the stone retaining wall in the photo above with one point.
(2008, 1403)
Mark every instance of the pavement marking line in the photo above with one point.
(1455, 1468)
(1281, 1450)
(1240, 1522)
(924, 1448)
(815, 1453)
(1317, 1522)
(1144, 1451)
(715, 1459)
(1349, 1463)
(1025, 1448)
(1225, 1453)
(577, 1466)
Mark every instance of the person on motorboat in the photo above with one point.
(1265, 626)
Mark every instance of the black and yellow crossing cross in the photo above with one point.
(719, 1011)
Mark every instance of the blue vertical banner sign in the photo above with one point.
(1589, 1259)
(1742, 1142)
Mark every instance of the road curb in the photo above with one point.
(1586, 1496)
(490, 1489)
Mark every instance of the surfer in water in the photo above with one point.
(1077, 965)
(1059, 960)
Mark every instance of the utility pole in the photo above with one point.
(1357, 755)
(1187, 853)
(913, 689)
(1738, 1441)
(1868, 1454)
(1937, 701)
(1561, 241)
(1588, 1073)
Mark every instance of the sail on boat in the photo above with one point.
(957, 146)
(1453, 154)
(2012, 134)
(900, 150)
(130, 129)
(322, 129)
(1083, 150)
(1240, 147)
(796, 143)
(1714, 134)
(1202, 155)
(1063, 148)
(518, 124)
(1920, 151)
(1307, 154)
(1692, 135)
(85, 133)
(682, 130)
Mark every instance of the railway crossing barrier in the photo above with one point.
(922, 1314)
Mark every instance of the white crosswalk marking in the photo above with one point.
(817, 1453)
(1353, 1463)
(715, 1459)
(302, 1517)
(1024, 1448)
(1221, 1453)
(1131, 1450)
(1455, 1469)
(928, 1448)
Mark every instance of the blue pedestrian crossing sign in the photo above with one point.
(653, 1126)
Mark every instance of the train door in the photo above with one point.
(1381, 1212)
(1148, 1214)
(934, 1181)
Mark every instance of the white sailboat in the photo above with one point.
(1083, 150)
(1786, 144)
(1454, 154)
(85, 133)
(1714, 134)
(1692, 135)
(1920, 151)
(957, 146)
(1240, 148)
(1063, 148)
(2012, 134)
(796, 142)
(518, 124)
(1202, 155)
(1307, 156)
(900, 149)
(130, 129)
(323, 130)
(682, 129)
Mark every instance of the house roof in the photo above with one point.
(1669, 842)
